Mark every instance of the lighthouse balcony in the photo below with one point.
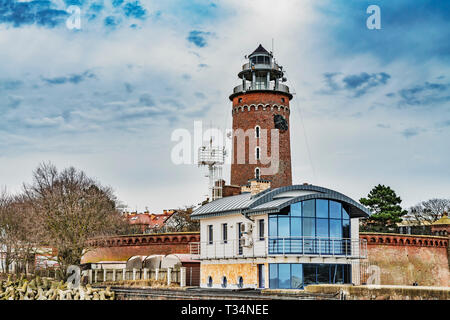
(267, 65)
(262, 86)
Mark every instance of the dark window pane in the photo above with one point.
(335, 210)
(296, 227)
(273, 226)
(296, 209)
(309, 274)
(322, 228)
(345, 214)
(308, 208)
(273, 275)
(224, 233)
(321, 208)
(309, 228)
(309, 233)
(284, 275)
(323, 273)
(283, 227)
(346, 228)
(296, 233)
(335, 228)
(322, 243)
(347, 273)
(261, 229)
(210, 234)
(337, 275)
(296, 276)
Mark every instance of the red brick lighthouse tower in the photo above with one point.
(260, 104)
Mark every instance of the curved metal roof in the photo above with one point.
(274, 200)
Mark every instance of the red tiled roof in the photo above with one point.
(151, 220)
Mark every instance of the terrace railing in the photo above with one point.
(281, 246)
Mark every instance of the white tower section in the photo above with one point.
(214, 158)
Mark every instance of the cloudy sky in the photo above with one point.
(371, 106)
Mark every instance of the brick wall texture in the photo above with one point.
(268, 104)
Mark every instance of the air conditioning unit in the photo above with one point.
(246, 242)
(246, 228)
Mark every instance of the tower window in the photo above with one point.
(282, 100)
(257, 131)
(240, 100)
(257, 173)
(257, 153)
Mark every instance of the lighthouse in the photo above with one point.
(260, 108)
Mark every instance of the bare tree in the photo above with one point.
(181, 221)
(18, 233)
(70, 209)
(429, 211)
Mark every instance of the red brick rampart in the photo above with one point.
(405, 259)
(121, 248)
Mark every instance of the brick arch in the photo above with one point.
(388, 240)
(407, 241)
(373, 240)
(380, 240)
(166, 239)
(183, 239)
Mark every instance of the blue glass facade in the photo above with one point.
(298, 275)
(317, 226)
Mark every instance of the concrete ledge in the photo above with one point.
(384, 292)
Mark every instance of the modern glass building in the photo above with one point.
(283, 238)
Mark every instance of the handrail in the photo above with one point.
(272, 86)
(281, 246)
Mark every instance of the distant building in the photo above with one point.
(150, 222)
(441, 227)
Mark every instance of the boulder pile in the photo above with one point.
(48, 289)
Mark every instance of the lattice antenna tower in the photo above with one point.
(213, 157)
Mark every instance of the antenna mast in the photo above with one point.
(213, 158)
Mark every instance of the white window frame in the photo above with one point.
(263, 229)
(224, 227)
(210, 233)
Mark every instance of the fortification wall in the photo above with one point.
(405, 259)
(121, 248)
